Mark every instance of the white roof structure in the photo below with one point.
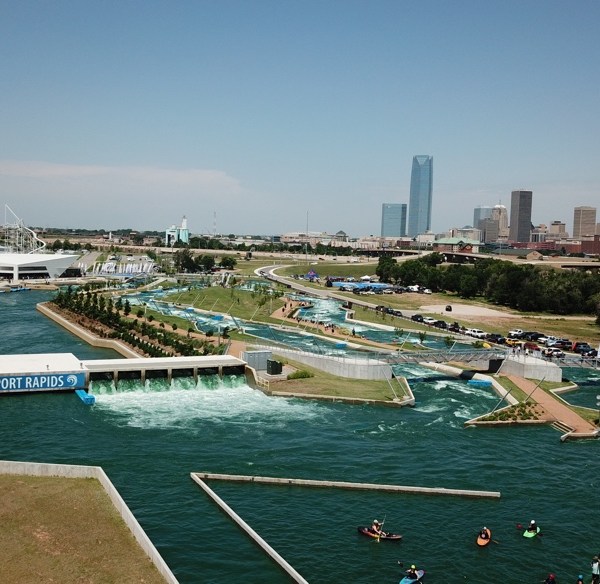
(21, 266)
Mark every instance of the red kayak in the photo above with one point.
(384, 535)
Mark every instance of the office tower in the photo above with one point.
(421, 185)
(500, 214)
(479, 213)
(584, 222)
(393, 220)
(557, 230)
(520, 216)
(489, 229)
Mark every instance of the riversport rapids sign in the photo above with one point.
(43, 382)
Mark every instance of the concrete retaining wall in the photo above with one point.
(86, 335)
(95, 472)
(288, 568)
(339, 366)
(531, 368)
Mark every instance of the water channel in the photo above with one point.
(148, 440)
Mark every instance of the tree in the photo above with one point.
(228, 262)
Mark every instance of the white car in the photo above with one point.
(429, 320)
(477, 333)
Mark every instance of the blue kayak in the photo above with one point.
(407, 580)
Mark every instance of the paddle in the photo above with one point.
(381, 529)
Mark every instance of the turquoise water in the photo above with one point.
(149, 439)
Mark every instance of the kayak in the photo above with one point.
(407, 580)
(384, 535)
(481, 541)
(527, 533)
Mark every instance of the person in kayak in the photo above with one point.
(412, 573)
(532, 526)
(579, 579)
(483, 534)
(551, 579)
(376, 527)
(595, 570)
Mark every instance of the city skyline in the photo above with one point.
(110, 120)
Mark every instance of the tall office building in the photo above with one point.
(500, 214)
(421, 187)
(479, 213)
(584, 222)
(393, 220)
(520, 216)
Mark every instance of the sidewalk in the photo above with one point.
(555, 408)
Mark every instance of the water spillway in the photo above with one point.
(65, 372)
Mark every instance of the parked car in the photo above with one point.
(563, 344)
(454, 327)
(532, 336)
(477, 333)
(417, 318)
(556, 353)
(581, 347)
(590, 354)
(515, 333)
(495, 338)
(531, 346)
(510, 342)
(441, 324)
(428, 320)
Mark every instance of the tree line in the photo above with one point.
(523, 287)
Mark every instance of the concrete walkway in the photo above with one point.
(556, 409)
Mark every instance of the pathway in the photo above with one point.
(556, 408)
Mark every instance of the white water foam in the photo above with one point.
(184, 408)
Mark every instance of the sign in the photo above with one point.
(56, 381)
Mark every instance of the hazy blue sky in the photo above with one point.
(134, 113)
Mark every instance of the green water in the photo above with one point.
(148, 440)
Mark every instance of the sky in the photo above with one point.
(270, 116)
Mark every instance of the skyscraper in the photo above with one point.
(479, 213)
(421, 187)
(393, 220)
(584, 222)
(520, 216)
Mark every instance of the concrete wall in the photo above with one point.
(339, 366)
(86, 335)
(95, 472)
(531, 368)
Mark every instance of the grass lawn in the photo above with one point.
(66, 530)
(325, 384)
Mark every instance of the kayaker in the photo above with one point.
(412, 573)
(532, 526)
(483, 534)
(551, 579)
(376, 527)
(579, 579)
(595, 570)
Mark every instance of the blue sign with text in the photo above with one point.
(49, 381)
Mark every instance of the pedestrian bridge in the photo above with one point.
(470, 355)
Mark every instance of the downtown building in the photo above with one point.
(584, 222)
(520, 216)
(421, 188)
(393, 220)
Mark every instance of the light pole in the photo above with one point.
(598, 404)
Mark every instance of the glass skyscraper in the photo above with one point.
(393, 220)
(421, 187)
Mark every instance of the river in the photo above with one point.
(149, 441)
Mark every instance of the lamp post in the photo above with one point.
(598, 404)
